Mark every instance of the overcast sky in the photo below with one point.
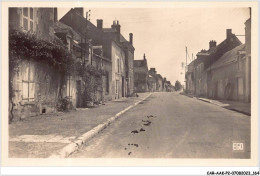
(162, 34)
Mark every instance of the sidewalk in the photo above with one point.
(237, 106)
(46, 135)
(241, 107)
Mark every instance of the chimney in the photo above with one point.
(229, 33)
(131, 38)
(212, 44)
(79, 10)
(153, 70)
(100, 24)
(144, 57)
(116, 26)
(55, 14)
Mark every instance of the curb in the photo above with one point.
(231, 109)
(187, 95)
(205, 100)
(75, 145)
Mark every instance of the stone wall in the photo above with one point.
(37, 87)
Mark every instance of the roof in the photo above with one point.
(228, 57)
(159, 76)
(108, 30)
(60, 27)
(213, 54)
(140, 63)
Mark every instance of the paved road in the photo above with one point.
(173, 126)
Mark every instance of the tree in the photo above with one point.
(178, 86)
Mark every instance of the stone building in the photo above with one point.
(118, 53)
(198, 74)
(228, 76)
(159, 85)
(248, 60)
(34, 85)
(141, 75)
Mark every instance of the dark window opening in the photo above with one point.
(31, 13)
(25, 12)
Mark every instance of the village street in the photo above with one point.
(170, 125)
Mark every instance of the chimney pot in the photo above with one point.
(212, 44)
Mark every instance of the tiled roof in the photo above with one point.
(228, 57)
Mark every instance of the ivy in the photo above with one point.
(27, 46)
(92, 78)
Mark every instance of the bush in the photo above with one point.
(64, 104)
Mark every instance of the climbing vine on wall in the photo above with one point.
(29, 46)
(92, 78)
(25, 45)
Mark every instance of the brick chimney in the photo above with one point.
(131, 38)
(116, 26)
(79, 10)
(55, 13)
(229, 33)
(212, 44)
(100, 24)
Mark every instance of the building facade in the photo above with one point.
(141, 75)
(35, 85)
(118, 53)
(198, 75)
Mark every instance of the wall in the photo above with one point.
(107, 66)
(130, 73)
(118, 77)
(39, 82)
(221, 78)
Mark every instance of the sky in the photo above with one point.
(163, 33)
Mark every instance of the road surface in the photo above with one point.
(170, 125)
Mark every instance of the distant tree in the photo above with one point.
(178, 86)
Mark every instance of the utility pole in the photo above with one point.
(186, 50)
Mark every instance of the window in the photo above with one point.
(28, 19)
(31, 13)
(239, 64)
(117, 84)
(25, 24)
(118, 66)
(69, 90)
(25, 12)
(28, 84)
